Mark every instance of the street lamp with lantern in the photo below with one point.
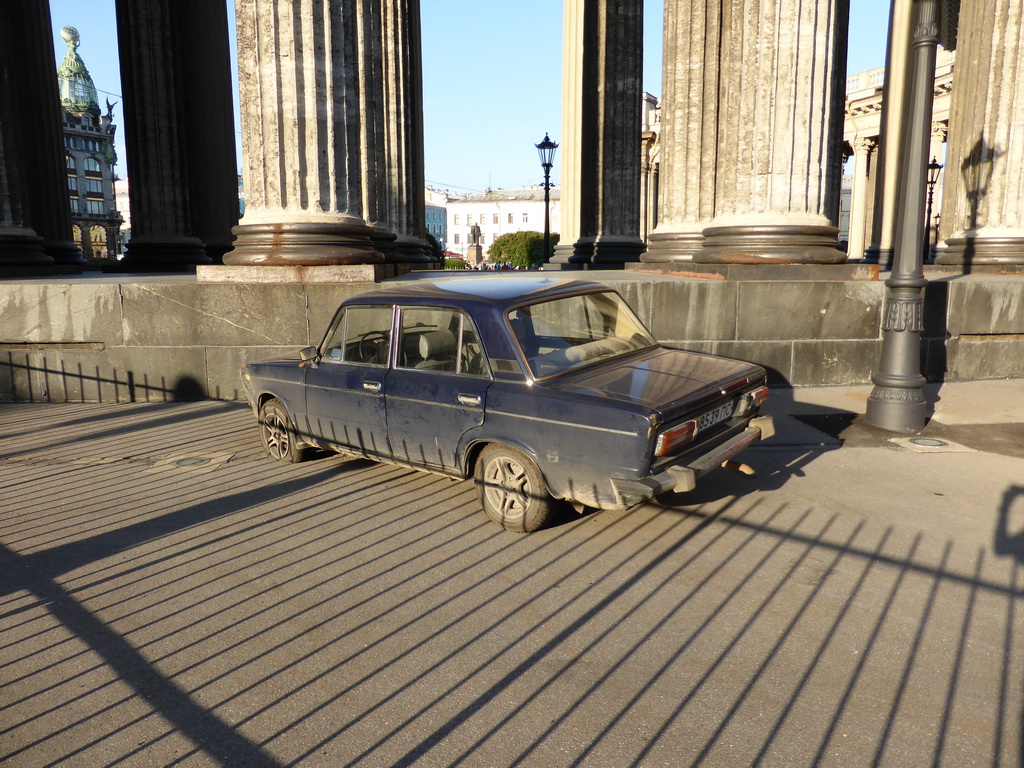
(897, 401)
(934, 167)
(546, 151)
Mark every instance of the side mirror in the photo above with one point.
(308, 355)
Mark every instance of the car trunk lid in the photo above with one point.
(669, 381)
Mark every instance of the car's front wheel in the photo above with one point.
(277, 434)
(512, 490)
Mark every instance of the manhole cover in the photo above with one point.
(928, 442)
(191, 461)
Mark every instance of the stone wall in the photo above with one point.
(155, 339)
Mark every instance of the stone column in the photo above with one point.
(403, 111)
(781, 97)
(20, 246)
(298, 71)
(373, 128)
(208, 123)
(983, 200)
(689, 129)
(601, 103)
(887, 179)
(151, 50)
(38, 99)
(939, 132)
(863, 151)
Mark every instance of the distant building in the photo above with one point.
(436, 201)
(498, 212)
(89, 157)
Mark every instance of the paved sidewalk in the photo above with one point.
(170, 596)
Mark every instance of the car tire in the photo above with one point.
(512, 490)
(277, 434)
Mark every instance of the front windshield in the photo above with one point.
(562, 334)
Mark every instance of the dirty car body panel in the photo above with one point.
(427, 374)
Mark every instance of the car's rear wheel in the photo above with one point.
(512, 490)
(277, 434)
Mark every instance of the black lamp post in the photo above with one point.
(933, 178)
(546, 150)
(897, 401)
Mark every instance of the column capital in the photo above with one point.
(865, 145)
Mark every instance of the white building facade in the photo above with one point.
(498, 212)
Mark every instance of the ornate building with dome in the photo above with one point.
(89, 156)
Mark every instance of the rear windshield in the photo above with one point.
(563, 334)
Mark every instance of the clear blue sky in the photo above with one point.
(491, 78)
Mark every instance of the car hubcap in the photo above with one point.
(275, 435)
(508, 487)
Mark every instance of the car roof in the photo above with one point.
(496, 291)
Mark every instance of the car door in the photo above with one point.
(345, 391)
(438, 388)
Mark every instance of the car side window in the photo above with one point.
(440, 339)
(362, 335)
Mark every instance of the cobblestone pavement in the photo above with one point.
(172, 597)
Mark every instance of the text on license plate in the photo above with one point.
(712, 417)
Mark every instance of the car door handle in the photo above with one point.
(469, 399)
(371, 386)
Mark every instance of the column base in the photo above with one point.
(145, 254)
(384, 243)
(981, 250)
(769, 244)
(875, 254)
(22, 250)
(412, 250)
(64, 252)
(598, 253)
(302, 244)
(665, 247)
(216, 250)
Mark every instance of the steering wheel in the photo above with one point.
(370, 345)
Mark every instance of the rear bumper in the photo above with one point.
(683, 477)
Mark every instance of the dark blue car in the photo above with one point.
(539, 388)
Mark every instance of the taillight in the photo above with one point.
(669, 440)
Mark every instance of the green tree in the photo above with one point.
(520, 249)
(435, 247)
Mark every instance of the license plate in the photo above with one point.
(712, 417)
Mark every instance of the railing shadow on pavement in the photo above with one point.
(345, 613)
(31, 377)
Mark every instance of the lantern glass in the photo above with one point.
(546, 151)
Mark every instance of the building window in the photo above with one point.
(510, 218)
(456, 219)
(483, 238)
(92, 164)
(526, 217)
(98, 236)
(94, 207)
(456, 239)
(94, 185)
(73, 183)
(469, 219)
(69, 161)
